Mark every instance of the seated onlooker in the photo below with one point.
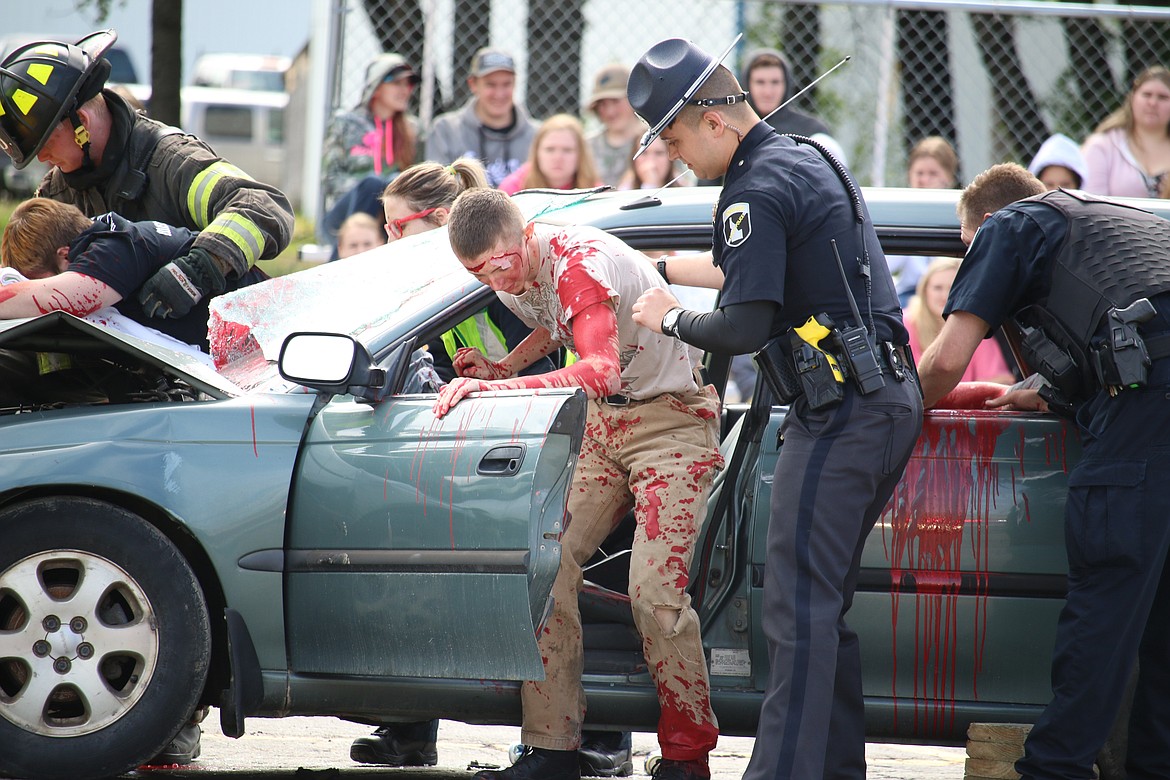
(1059, 163)
(932, 164)
(377, 137)
(924, 320)
(653, 169)
(359, 233)
(620, 126)
(368, 146)
(1128, 154)
(491, 127)
(559, 159)
(767, 78)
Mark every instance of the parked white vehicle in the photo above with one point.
(244, 126)
(256, 72)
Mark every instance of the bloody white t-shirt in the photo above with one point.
(581, 266)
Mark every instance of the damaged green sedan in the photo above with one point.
(297, 534)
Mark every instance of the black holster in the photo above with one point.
(775, 363)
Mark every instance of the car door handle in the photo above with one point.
(502, 461)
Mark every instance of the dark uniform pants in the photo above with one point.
(836, 471)
(1117, 532)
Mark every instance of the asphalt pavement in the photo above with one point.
(318, 749)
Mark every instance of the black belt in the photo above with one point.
(616, 400)
(1157, 346)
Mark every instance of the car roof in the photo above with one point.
(680, 206)
(229, 96)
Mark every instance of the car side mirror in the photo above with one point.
(333, 363)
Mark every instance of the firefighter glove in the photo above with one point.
(180, 284)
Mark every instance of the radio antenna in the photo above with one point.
(810, 86)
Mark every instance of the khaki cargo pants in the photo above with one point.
(659, 456)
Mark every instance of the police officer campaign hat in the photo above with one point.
(665, 79)
(42, 82)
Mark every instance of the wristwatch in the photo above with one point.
(662, 270)
(670, 321)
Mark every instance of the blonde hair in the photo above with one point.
(926, 322)
(631, 179)
(358, 219)
(430, 185)
(37, 229)
(938, 149)
(1123, 116)
(586, 175)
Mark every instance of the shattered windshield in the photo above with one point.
(387, 289)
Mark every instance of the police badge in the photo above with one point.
(737, 224)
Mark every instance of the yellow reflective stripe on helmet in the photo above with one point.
(40, 71)
(51, 49)
(242, 232)
(24, 100)
(199, 196)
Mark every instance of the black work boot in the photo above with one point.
(538, 764)
(682, 770)
(606, 754)
(182, 749)
(400, 744)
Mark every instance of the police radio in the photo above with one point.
(856, 346)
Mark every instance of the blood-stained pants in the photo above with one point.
(660, 456)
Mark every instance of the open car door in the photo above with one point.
(425, 547)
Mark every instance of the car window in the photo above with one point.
(275, 125)
(228, 122)
(268, 81)
(121, 68)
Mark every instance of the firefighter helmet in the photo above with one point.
(41, 83)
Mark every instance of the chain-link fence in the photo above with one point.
(994, 78)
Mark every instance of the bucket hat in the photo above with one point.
(664, 80)
(610, 82)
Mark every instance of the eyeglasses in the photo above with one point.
(394, 226)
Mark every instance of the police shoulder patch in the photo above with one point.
(737, 224)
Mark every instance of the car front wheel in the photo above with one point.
(104, 640)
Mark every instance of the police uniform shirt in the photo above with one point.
(1009, 264)
(780, 205)
(124, 254)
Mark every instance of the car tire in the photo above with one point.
(104, 640)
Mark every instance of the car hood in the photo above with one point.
(61, 332)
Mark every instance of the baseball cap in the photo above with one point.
(488, 60)
(609, 83)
